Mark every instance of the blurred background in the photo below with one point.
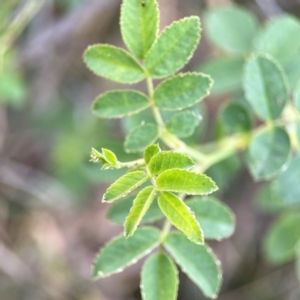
(52, 221)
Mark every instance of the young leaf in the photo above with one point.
(183, 123)
(282, 238)
(124, 185)
(119, 210)
(265, 86)
(231, 28)
(182, 91)
(169, 160)
(173, 48)
(121, 252)
(181, 216)
(268, 153)
(109, 156)
(159, 278)
(140, 206)
(227, 73)
(117, 104)
(216, 219)
(197, 262)
(140, 137)
(150, 151)
(139, 25)
(113, 63)
(277, 38)
(182, 181)
(297, 96)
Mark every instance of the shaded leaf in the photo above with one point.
(121, 252)
(277, 38)
(173, 48)
(282, 238)
(197, 262)
(113, 63)
(119, 210)
(124, 185)
(159, 278)
(216, 219)
(183, 123)
(169, 160)
(182, 91)
(150, 151)
(117, 104)
(268, 153)
(231, 28)
(292, 70)
(141, 137)
(265, 86)
(140, 206)
(181, 216)
(139, 25)
(182, 181)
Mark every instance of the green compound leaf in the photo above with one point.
(182, 181)
(181, 91)
(117, 104)
(141, 137)
(227, 73)
(277, 38)
(173, 48)
(265, 86)
(232, 29)
(183, 124)
(159, 278)
(197, 262)
(140, 206)
(282, 238)
(169, 160)
(113, 63)
(268, 153)
(234, 118)
(124, 185)
(181, 216)
(119, 210)
(297, 96)
(139, 25)
(121, 252)
(216, 219)
(150, 151)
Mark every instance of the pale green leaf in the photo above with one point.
(226, 72)
(173, 48)
(277, 38)
(265, 86)
(181, 216)
(181, 91)
(159, 278)
(292, 70)
(117, 104)
(124, 185)
(109, 156)
(139, 25)
(141, 137)
(268, 153)
(119, 210)
(169, 160)
(183, 181)
(282, 238)
(297, 96)
(183, 123)
(216, 219)
(113, 63)
(197, 262)
(231, 28)
(150, 151)
(121, 252)
(139, 208)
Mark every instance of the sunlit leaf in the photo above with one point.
(150, 151)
